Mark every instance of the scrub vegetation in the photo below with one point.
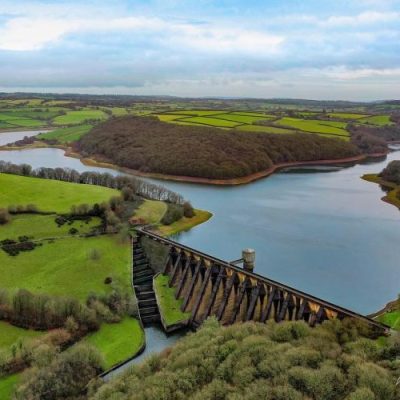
(287, 361)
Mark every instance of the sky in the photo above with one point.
(347, 50)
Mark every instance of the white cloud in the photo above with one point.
(365, 18)
(27, 34)
(344, 73)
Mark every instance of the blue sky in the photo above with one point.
(298, 49)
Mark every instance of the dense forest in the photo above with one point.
(149, 145)
(251, 361)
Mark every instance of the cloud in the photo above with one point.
(26, 34)
(364, 18)
(344, 73)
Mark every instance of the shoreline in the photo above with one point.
(391, 195)
(222, 182)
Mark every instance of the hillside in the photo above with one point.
(149, 145)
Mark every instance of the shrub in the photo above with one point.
(4, 216)
(174, 213)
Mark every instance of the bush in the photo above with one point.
(188, 210)
(4, 216)
(174, 213)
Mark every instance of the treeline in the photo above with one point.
(388, 133)
(392, 172)
(149, 145)
(44, 312)
(252, 361)
(138, 186)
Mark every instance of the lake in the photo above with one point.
(324, 232)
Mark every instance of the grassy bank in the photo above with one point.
(118, 342)
(394, 190)
(9, 334)
(7, 385)
(170, 307)
(184, 224)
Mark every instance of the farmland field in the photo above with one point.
(66, 135)
(210, 121)
(42, 226)
(379, 120)
(315, 126)
(49, 195)
(79, 117)
(346, 115)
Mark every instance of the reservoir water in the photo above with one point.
(326, 232)
(11, 137)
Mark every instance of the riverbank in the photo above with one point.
(392, 196)
(222, 182)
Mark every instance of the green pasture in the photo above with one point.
(209, 121)
(313, 126)
(67, 135)
(263, 128)
(79, 117)
(346, 115)
(18, 121)
(391, 318)
(151, 211)
(9, 334)
(117, 342)
(242, 119)
(198, 113)
(42, 226)
(379, 120)
(7, 385)
(49, 195)
(169, 117)
(67, 267)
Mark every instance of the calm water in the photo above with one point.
(10, 137)
(156, 341)
(327, 233)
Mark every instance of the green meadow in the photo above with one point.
(49, 195)
(79, 117)
(314, 126)
(66, 267)
(66, 135)
(7, 385)
(9, 334)
(117, 342)
(43, 226)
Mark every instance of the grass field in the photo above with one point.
(9, 334)
(66, 135)
(314, 126)
(42, 226)
(151, 211)
(391, 318)
(379, 120)
(265, 129)
(7, 385)
(117, 342)
(18, 121)
(346, 115)
(210, 121)
(49, 195)
(65, 267)
(184, 224)
(169, 305)
(79, 117)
